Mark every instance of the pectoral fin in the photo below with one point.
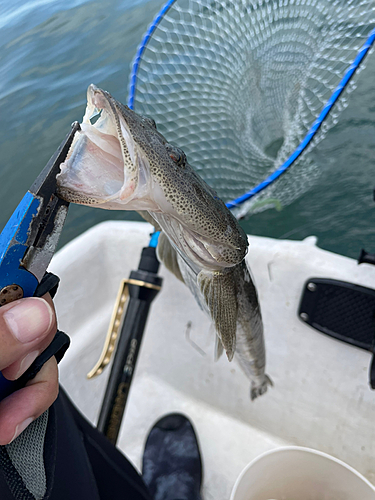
(147, 217)
(168, 256)
(219, 292)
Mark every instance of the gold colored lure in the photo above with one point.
(122, 162)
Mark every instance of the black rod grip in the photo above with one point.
(122, 370)
(128, 345)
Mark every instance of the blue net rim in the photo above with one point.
(308, 137)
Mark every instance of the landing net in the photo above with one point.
(239, 84)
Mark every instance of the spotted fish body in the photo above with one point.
(123, 162)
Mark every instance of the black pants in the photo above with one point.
(81, 464)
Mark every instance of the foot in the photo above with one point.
(172, 467)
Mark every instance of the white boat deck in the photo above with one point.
(321, 398)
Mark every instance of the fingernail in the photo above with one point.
(29, 319)
(26, 363)
(21, 427)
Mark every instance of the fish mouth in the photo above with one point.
(103, 166)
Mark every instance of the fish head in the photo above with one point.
(121, 161)
(104, 166)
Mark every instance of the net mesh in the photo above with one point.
(238, 83)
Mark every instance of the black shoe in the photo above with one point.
(172, 466)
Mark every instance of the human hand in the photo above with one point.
(27, 327)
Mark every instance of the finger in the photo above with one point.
(18, 367)
(27, 327)
(19, 409)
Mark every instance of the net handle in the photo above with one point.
(310, 134)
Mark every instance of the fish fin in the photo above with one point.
(220, 295)
(218, 348)
(168, 256)
(259, 389)
(147, 217)
(190, 279)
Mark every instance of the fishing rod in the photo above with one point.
(127, 327)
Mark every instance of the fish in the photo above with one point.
(120, 161)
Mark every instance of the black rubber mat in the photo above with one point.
(342, 310)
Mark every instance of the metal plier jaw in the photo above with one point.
(29, 239)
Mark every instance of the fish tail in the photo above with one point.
(219, 292)
(259, 388)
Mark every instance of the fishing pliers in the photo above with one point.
(27, 245)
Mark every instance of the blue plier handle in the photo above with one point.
(28, 242)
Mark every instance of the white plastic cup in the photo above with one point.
(294, 473)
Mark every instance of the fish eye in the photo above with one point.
(149, 121)
(177, 155)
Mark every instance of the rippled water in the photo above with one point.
(51, 50)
